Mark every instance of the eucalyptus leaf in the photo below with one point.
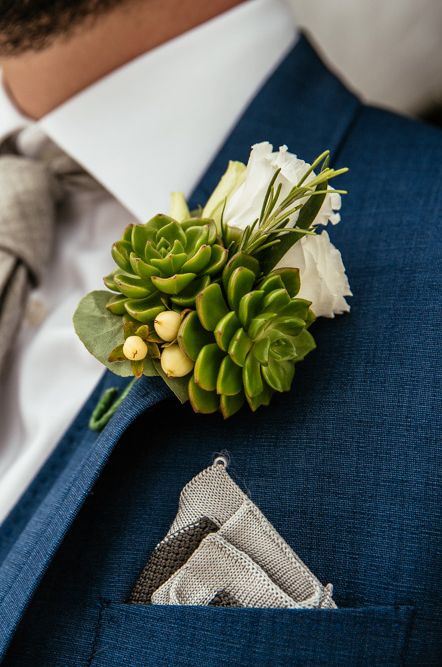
(101, 332)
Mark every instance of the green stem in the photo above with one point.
(107, 406)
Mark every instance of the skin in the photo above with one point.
(38, 81)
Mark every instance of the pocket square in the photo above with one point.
(222, 551)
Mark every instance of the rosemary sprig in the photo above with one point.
(267, 230)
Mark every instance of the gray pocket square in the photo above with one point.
(222, 551)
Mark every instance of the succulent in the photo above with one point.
(245, 337)
(163, 264)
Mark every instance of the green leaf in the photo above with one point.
(127, 234)
(150, 252)
(310, 318)
(204, 402)
(192, 337)
(131, 286)
(240, 283)
(145, 310)
(137, 367)
(170, 264)
(139, 237)
(129, 328)
(120, 253)
(279, 374)
(283, 349)
(229, 405)
(196, 237)
(100, 330)
(110, 282)
(225, 330)
(155, 224)
(261, 350)
(312, 207)
(290, 278)
(271, 282)
(142, 269)
(297, 308)
(263, 398)
(250, 306)
(217, 260)
(174, 284)
(153, 350)
(252, 380)
(172, 231)
(287, 325)
(240, 259)
(271, 256)
(117, 304)
(197, 222)
(229, 381)
(186, 298)
(143, 331)
(211, 306)
(207, 366)
(239, 347)
(304, 344)
(117, 354)
(276, 300)
(258, 324)
(199, 261)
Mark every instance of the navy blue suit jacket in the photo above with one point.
(347, 466)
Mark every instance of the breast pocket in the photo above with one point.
(188, 636)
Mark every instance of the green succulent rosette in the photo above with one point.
(162, 264)
(245, 337)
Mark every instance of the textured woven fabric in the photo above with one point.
(224, 599)
(215, 565)
(27, 214)
(347, 466)
(247, 558)
(29, 192)
(211, 493)
(169, 555)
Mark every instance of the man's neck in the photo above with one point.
(40, 81)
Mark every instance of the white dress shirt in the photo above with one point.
(148, 128)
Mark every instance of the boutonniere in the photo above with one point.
(219, 301)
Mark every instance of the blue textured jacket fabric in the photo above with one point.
(347, 466)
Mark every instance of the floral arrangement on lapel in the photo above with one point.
(219, 301)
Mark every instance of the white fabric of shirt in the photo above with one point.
(148, 128)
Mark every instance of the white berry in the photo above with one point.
(134, 348)
(167, 324)
(174, 362)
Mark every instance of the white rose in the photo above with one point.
(244, 201)
(322, 273)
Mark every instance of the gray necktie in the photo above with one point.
(29, 192)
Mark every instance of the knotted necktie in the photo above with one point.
(30, 190)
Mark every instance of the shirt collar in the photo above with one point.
(153, 125)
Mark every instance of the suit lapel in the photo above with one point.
(303, 105)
